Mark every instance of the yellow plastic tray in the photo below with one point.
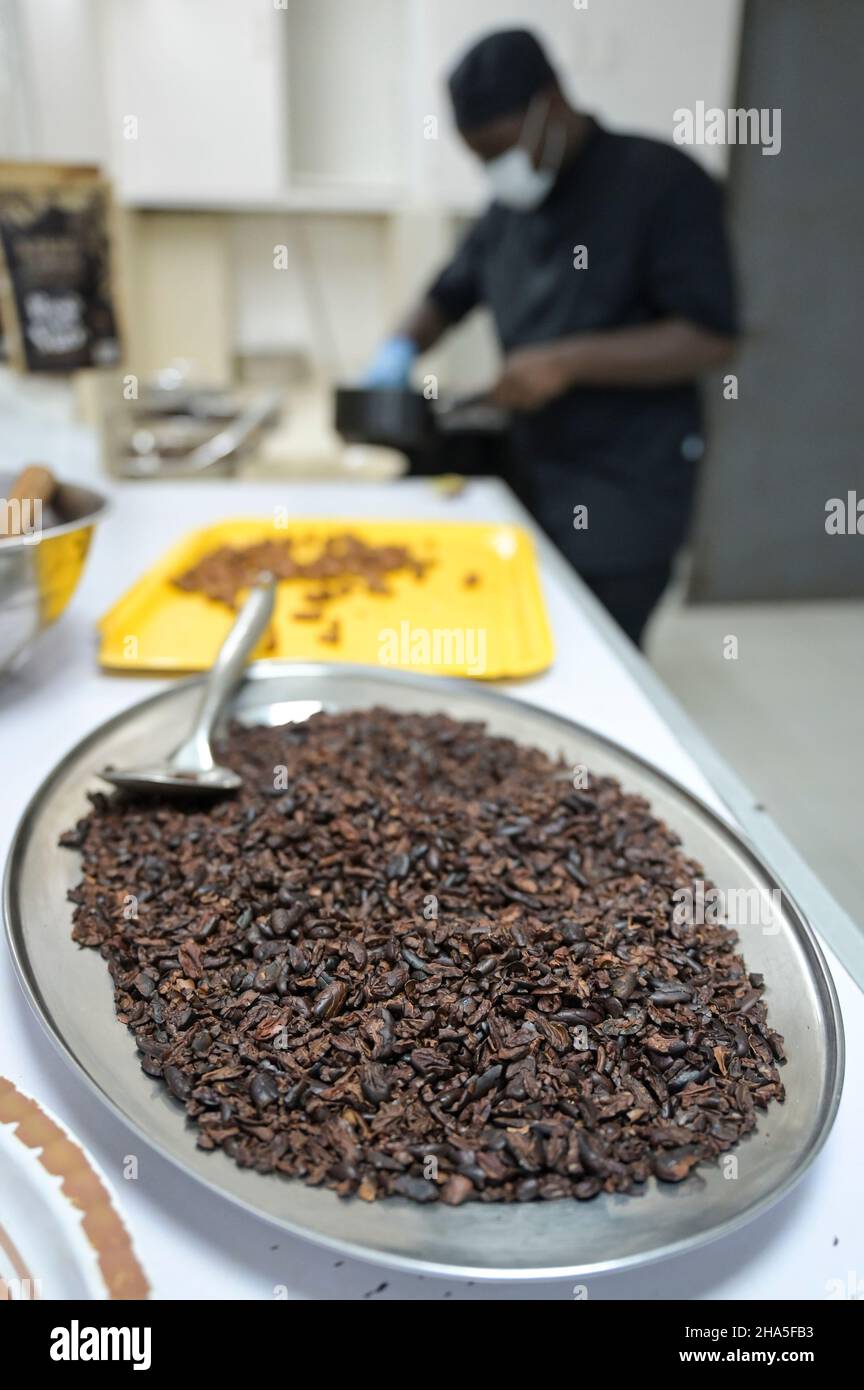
(437, 625)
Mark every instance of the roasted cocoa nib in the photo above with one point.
(409, 959)
(335, 566)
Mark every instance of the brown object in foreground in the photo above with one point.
(224, 572)
(428, 969)
(35, 483)
(70, 1169)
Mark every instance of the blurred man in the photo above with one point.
(603, 260)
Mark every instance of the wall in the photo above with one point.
(792, 439)
(179, 293)
(333, 286)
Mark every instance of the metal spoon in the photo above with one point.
(191, 768)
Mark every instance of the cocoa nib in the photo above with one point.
(421, 966)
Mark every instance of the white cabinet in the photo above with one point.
(321, 105)
(60, 102)
(195, 99)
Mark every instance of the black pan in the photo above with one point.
(397, 418)
(405, 419)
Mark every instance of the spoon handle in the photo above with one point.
(226, 671)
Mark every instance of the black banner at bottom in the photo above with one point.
(212, 1337)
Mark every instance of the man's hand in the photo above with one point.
(649, 354)
(391, 365)
(531, 376)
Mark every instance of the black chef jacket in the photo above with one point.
(651, 221)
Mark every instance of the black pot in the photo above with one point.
(395, 418)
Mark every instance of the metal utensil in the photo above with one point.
(191, 768)
(221, 448)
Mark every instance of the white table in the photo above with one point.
(194, 1244)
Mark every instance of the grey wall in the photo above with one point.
(795, 436)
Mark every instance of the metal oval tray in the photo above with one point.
(71, 991)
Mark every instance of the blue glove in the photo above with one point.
(392, 363)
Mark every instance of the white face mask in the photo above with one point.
(514, 180)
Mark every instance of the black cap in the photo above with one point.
(498, 76)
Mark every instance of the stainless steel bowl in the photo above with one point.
(39, 573)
